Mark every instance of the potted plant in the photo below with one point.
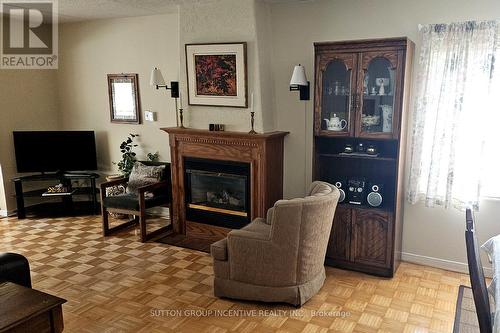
(128, 155)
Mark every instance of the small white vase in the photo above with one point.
(386, 118)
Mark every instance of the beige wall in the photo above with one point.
(231, 21)
(278, 36)
(435, 233)
(91, 50)
(3, 203)
(28, 101)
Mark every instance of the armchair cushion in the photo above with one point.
(142, 175)
(130, 201)
(219, 249)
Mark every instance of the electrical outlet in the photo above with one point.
(149, 115)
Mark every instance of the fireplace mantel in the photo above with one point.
(264, 153)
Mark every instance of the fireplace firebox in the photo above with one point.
(217, 192)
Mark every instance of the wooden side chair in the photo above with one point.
(136, 203)
(477, 281)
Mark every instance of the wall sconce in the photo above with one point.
(299, 82)
(158, 81)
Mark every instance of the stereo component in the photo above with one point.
(374, 198)
(356, 191)
(340, 185)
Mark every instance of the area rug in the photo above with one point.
(465, 315)
(184, 241)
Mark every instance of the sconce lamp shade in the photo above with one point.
(156, 78)
(158, 81)
(299, 76)
(299, 82)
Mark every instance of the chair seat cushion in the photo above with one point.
(219, 249)
(130, 201)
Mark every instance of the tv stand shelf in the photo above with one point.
(46, 205)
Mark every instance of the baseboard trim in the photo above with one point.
(5, 212)
(449, 265)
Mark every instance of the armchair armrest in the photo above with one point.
(269, 216)
(255, 259)
(241, 233)
(148, 188)
(267, 253)
(111, 183)
(115, 182)
(152, 187)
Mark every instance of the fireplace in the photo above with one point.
(258, 157)
(217, 192)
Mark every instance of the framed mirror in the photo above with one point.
(124, 99)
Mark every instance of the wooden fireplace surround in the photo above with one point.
(264, 153)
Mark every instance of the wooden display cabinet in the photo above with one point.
(365, 83)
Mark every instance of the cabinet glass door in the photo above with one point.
(336, 89)
(378, 87)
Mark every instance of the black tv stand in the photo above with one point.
(66, 206)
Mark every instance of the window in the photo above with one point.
(455, 118)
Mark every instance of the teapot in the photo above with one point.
(335, 123)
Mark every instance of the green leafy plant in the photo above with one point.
(128, 155)
(153, 157)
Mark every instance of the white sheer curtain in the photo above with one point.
(453, 113)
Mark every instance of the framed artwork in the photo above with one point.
(217, 74)
(124, 102)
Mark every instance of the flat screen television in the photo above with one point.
(50, 151)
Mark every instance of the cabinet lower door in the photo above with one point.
(340, 238)
(372, 237)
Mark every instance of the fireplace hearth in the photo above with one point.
(217, 192)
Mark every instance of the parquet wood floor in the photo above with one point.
(117, 284)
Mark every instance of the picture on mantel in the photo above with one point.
(217, 74)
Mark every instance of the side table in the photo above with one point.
(27, 310)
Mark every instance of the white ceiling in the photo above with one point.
(84, 10)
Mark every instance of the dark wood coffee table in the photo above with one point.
(27, 310)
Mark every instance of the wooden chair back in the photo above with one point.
(476, 273)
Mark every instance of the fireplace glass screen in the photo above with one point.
(218, 192)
